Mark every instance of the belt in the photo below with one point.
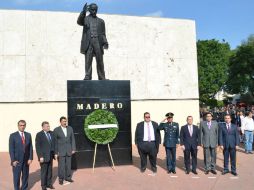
(248, 130)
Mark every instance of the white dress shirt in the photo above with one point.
(247, 124)
(152, 137)
(20, 133)
(64, 131)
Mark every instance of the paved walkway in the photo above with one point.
(129, 177)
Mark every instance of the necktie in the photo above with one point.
(228, 127)
(149, 135)
(209, 125)
(190, 130)
(49, 138)
(23, 138)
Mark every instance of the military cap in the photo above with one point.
(169, 114)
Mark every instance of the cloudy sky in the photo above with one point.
(231, 20)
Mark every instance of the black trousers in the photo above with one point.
(193, 153)
(229, 152)
(148, 149)
(64, 167)
(46, 173)
(171, 158)
(94, 49)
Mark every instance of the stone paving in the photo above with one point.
(129, 177)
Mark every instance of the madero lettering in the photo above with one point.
(96, 106)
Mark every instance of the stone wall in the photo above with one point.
(39, 52)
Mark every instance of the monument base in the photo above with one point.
(83, 98)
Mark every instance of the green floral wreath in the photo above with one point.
(101, 136)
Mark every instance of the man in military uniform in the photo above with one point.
(171, 130)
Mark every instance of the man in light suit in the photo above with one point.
(45, 149)
(21, 154)
(209, 132)
(64, 148)
(147, 139)
(229, 142)
(190, 143)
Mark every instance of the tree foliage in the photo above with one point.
(213, 62)
(241, 69)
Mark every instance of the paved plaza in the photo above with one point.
(129, 177)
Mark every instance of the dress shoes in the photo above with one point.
(173, 171)
(195, 172)
(69, 180)
(154, 170)
(142, 170)
(50, 187)
(213, 172)
(187, 171)
(234, 173)
(224, 172)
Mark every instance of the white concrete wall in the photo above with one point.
(39, 51)
(35, 113)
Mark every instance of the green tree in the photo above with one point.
(213, 61)
(241, 69)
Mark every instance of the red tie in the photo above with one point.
(23, 138)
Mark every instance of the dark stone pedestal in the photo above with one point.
(86, 96)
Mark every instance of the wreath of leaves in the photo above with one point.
(101, 136)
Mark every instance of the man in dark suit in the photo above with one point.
(209, 132)
(171, 135)
(93, 41)
(21, 154)
(45, 146)
(229, 142)
(64, 148)
(147, 139)
(190, 143)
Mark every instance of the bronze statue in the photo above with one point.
(93, 41)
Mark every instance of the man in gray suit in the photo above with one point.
(209, 139)
(64, 148)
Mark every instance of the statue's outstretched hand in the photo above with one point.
(85, 8)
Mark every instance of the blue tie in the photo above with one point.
(49, 138)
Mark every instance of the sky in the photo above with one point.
(229, 20)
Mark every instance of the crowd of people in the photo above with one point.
(239, 115)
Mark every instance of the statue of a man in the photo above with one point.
(93, 41)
